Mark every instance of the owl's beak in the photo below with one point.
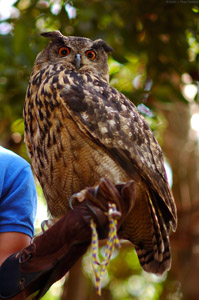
(77, 61)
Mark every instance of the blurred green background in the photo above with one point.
(154, 63)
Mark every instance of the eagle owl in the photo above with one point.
(79, 129)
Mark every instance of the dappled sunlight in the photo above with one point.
(195, 122)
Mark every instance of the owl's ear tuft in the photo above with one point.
(53, 35)
(102, 44)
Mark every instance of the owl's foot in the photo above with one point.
(122, 195)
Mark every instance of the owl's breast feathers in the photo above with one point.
(108, 120)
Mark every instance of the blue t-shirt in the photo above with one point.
(18, 198)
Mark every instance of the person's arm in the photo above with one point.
(17, 207)
(11, 242)
(18, 202)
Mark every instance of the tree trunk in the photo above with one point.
(182, 152)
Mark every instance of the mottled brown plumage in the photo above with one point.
(79, 129)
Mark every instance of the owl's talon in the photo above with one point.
(96, 191)
(98, 187)
(46, 223)
(71, 200)
(77, 197)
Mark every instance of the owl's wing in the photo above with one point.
(114, 122)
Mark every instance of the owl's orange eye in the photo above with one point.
(64, 51)
(91, 54)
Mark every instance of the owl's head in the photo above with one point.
(76, 54)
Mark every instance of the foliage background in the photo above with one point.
(155, 62)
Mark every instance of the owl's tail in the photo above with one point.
(147, 227)
(157, 258)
